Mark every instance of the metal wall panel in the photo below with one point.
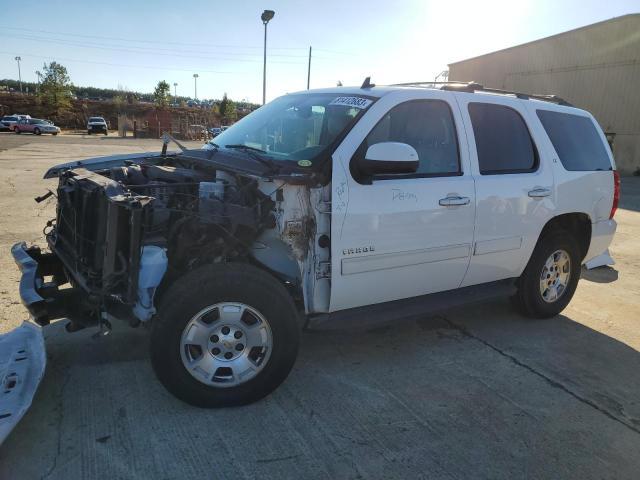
(596, 68)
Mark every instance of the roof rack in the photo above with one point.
(472, 87)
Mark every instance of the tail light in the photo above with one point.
(616, 193)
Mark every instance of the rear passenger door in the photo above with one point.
(514, 185)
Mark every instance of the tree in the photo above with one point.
(55, 89)
(227, 108)
(161, 94)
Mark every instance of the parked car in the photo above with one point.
(325, 208)
(8, 122)
(97, 125)
(36, 126)
(215, 131)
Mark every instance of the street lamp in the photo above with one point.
(265, 17)
(19, 74)
(195, 85)
(175, 93)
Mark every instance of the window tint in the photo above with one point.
(502, 139)
(576, 141)
(426, 125)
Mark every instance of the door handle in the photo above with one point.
(539, 192)
(454, 201)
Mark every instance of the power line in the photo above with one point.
(56, 58)
(149, 52)
(163, 42)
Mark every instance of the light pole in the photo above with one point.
(19, 74)
(265, 17)
(175, 93)
(195, 85)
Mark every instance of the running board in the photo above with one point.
(381, 313)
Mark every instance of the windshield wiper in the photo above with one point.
(253, 153)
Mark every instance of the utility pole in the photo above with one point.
(309, 69)
(175, 93)
(19, 74)
(195, 85)
(265, 17)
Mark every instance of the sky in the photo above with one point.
(133, 44)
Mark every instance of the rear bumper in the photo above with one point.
(601, 237)
(42, 299)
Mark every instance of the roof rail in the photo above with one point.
(472, 87)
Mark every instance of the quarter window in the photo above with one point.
(503, 142)
(576, 141)
(426, 125)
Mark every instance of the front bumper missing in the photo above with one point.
(22, 366)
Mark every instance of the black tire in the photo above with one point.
(17, 130)
(529, 299)
(88, 132)
(54, 133)
(37, 131)
(106, 133)
(207, 286)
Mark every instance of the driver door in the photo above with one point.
(402, 236)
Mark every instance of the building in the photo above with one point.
(596, 68)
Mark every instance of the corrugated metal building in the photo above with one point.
(596, 68)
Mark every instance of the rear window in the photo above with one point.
(502, 140)
(576, 141)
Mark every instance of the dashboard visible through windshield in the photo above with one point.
(296, 128)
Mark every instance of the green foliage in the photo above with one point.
(161, 94)
(55, 88)
(228, 109)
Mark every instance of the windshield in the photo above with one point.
(96, 119)
(295, 127)
(38, 121)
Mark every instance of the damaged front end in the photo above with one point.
(126, 227)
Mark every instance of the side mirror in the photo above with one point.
(390, 158)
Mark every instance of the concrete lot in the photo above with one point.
(478, 393)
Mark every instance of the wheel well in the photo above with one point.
(578, 224)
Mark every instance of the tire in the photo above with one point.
(37, 131)
(532, 299)
(106, 133)
(209, 289)
(54, 133)
(88, 132)
(17, 130)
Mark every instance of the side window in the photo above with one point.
(576, 141)
(426, 125)
(503, 141)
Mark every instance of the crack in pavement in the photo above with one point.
(554, 383)
(51, 469)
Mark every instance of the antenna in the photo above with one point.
(367, 83)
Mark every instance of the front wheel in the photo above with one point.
(225, 335)
(37, 131)
(17, 130)
(551, 277)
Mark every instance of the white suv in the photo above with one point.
(328, 208)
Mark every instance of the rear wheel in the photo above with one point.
(225, 335)
(17, 130)
(551, 277)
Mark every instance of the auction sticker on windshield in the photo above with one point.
(357, 102)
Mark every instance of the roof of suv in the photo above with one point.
(463, 87)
